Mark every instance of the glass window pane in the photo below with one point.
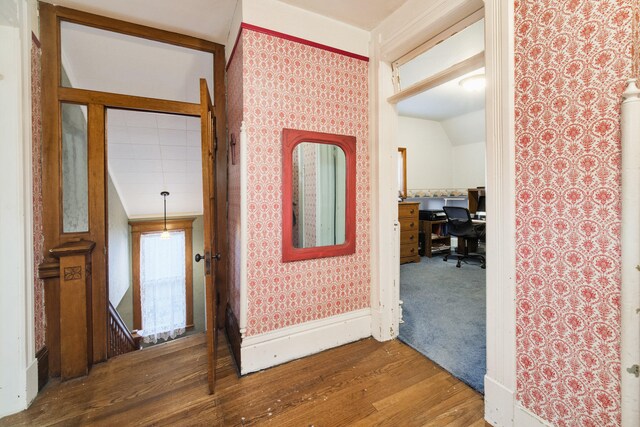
(107, 61)
(455, 49)
(75, 178)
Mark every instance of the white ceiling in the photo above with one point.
(449, 99)
(207, 19)
(112, 62)
(443, 102)
(365, 14)
(211, 19)
(149, 153)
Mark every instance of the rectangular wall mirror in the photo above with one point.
(318, 195)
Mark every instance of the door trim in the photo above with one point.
(52, 94)
(403, 31)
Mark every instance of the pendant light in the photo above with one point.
(165, 232)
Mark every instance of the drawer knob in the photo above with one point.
(412, 225)
(412, 211)
(411, 238)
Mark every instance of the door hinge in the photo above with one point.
(395, 78)
(635, 370)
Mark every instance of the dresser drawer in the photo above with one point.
(408, 224)
(408, 210)
(408, 250)
(408, 237)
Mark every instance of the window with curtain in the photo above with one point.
(162, 285)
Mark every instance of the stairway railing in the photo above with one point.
(121, 341)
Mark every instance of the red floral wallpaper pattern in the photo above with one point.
(572, 58)
(38, 233)
(291, 85)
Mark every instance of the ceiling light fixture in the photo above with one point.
(474, 83)
(165, 232)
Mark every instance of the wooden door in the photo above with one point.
(209, 211)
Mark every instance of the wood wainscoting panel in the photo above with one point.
(235, 338)
(43, 366)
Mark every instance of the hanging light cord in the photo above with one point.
(165, 232)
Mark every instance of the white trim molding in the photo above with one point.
(411, 25)
(630, 241)
(244, 232)
(501, 228)
(525, 418)
(293, 342)
(18, 372)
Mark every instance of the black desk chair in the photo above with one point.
(459, 224)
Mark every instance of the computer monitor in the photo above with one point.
(481, 211)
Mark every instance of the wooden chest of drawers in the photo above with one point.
(408, 216)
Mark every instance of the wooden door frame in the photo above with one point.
(52, 95)
(154, 226)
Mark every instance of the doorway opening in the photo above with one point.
(442, 210)
(154, 284)
(103, 64)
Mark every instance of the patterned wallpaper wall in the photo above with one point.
(287, 84)
(572, 58)
(38, 233)
(234, 116)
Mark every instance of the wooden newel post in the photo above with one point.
(76, 345)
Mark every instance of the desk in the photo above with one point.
(434, 238)
(473, 246)
(473, 196)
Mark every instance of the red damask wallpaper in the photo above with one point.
(38, 233)
(287, 84)
(572, 58)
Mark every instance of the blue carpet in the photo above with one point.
(444, 315)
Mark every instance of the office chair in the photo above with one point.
(459, 224)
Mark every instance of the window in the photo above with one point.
(162, 278)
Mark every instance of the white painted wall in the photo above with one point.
(447, 154)
(293, 21)
(119, 247)
(466, 128)
(467, 135)
(468, 165)
(428, 153)
(18, 366)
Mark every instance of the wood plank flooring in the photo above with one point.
(366, 383)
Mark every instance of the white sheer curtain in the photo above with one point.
(162, 286)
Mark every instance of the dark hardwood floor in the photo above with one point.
(366, 383)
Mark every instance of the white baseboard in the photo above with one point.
(32, 381)
(293, 342)
(501, 409)
(498, 403)
(525, 418)
(22, 392)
